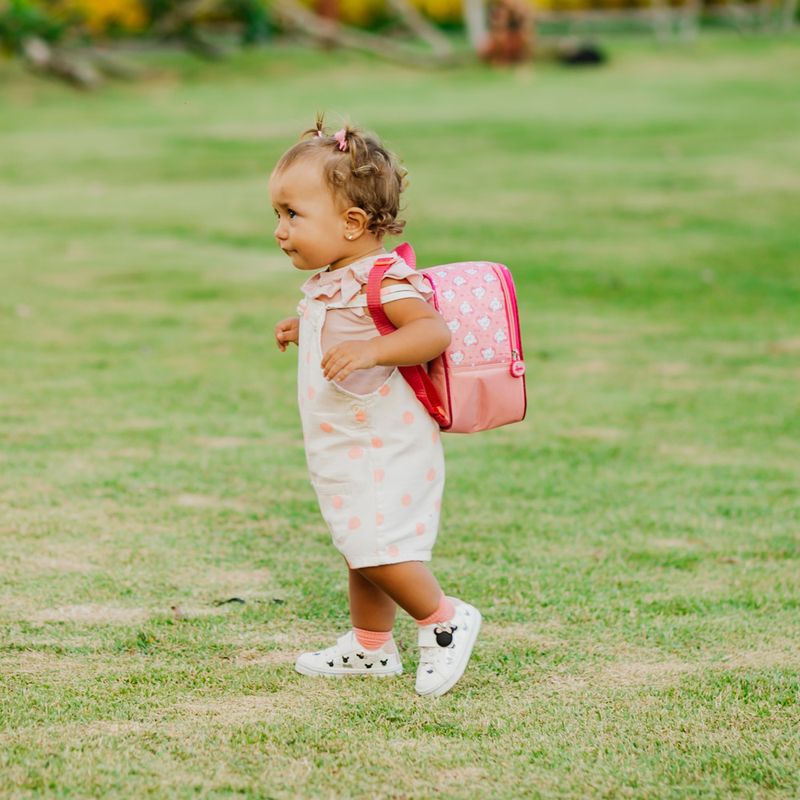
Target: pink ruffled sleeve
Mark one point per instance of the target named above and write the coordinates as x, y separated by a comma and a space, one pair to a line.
358, 275
346, 283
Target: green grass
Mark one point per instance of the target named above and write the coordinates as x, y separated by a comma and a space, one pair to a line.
633, 544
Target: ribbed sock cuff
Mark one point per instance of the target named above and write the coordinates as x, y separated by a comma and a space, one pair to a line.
372, 640
444, 613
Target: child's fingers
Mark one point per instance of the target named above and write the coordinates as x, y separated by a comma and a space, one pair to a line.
286, 331
330, 357
337, 366
332, 368
341, 374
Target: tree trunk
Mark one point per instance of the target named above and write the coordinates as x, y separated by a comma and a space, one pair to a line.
788, 14
421, 27
40, 57
329, 32
477, 26
184, 14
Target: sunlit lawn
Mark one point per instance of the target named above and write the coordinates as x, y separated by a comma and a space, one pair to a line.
633, 545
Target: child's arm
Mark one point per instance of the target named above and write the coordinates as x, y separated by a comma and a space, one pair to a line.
421, 335
286, 331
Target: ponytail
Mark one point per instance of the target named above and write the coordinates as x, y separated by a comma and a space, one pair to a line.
358, 169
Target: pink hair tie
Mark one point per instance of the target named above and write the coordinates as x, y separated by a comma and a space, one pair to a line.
320, 134
341, 137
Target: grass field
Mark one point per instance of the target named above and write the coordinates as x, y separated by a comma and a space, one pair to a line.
634, 545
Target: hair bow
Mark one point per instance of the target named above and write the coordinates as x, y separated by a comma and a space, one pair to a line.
341, 137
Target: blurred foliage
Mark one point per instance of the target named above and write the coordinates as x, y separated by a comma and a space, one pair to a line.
363, 13
105, 16
20, 20
255, 18
49, 19
367, 13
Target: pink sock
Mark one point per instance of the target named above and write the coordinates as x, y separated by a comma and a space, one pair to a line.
444, 613
372, 640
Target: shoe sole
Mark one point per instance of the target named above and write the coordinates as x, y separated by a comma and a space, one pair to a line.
462, 665
312, 673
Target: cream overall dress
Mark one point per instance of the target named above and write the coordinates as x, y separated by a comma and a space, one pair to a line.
375, 459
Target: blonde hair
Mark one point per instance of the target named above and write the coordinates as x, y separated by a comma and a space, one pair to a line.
364, 173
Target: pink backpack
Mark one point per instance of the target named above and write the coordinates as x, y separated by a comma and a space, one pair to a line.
478, 383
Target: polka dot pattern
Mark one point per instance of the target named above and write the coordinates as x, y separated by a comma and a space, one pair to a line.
375, 460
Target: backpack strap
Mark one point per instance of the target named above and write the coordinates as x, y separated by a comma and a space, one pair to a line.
406, 252
416, 377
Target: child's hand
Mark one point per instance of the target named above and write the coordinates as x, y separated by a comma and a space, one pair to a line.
286, 331
347, 357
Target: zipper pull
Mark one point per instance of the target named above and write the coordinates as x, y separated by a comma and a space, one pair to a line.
517, 365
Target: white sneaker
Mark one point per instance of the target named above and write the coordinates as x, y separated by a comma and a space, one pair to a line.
445, 648
348, 657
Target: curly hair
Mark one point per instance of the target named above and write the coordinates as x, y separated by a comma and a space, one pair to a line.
365, 174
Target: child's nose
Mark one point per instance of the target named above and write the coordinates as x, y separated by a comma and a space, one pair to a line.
280, 230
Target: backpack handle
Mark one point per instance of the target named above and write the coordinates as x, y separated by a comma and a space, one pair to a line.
416, 377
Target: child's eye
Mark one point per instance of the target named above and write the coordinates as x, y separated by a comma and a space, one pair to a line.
292, 214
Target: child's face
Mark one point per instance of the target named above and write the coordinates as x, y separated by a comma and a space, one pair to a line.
311, 227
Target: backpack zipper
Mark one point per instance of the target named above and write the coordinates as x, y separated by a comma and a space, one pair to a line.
517, 367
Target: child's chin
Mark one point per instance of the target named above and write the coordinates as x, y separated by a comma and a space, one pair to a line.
299, 263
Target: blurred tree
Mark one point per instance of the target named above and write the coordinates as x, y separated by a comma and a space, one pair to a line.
20, 20
61, 37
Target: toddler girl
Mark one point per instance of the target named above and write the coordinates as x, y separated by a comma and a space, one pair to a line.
374, 453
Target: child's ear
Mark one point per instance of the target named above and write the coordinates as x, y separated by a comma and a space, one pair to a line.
355, 223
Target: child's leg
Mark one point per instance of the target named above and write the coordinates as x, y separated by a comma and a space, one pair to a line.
369, 648
371, 608
410, 584
447, 628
